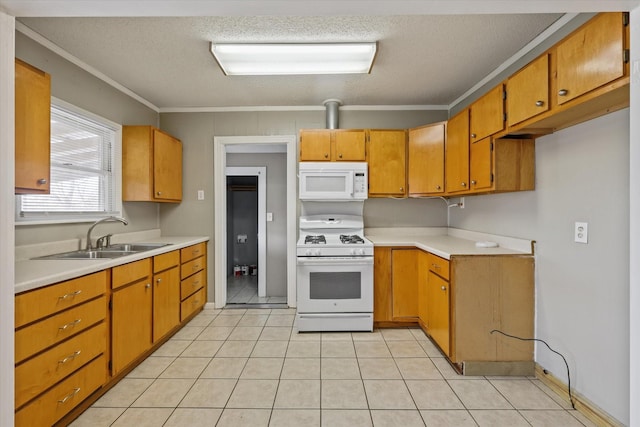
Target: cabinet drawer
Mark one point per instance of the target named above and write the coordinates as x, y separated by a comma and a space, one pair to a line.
192, 252
191, 267
58, 401
40, 335
166, 261
39, 303
129, 273
191, 304
440, 266
43, 371
192, 284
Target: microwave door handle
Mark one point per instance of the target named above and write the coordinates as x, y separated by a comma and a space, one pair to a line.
350, 183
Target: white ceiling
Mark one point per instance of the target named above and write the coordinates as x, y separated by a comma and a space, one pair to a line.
428, 54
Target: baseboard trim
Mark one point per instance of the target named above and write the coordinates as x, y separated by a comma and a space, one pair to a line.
210, 305
582, 404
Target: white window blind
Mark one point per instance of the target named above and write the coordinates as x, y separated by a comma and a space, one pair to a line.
84, 172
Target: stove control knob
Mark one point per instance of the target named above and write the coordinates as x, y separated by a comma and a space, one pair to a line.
352, 251
317, 252
308, 252
361, 251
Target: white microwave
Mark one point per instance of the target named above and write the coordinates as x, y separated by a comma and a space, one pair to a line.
333, 181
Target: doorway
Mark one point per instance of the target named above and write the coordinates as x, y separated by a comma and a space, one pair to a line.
246, 235
287, 146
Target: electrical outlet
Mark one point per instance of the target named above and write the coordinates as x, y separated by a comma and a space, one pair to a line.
581, 232
200, 194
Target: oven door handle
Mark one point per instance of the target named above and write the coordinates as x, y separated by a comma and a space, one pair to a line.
365, 260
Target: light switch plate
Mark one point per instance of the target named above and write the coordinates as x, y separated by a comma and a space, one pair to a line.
581, 232
269, 216
200, 194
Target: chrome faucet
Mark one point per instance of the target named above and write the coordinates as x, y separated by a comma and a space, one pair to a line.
89, 246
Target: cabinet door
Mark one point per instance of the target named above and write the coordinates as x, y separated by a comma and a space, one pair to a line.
426, 159
349, 145
590, 57
32, 129
167, 167
166, 302
382, 284
487, 114
423, 277
130, 323
528, 91
404, 281
315, 145
438, 310
481, 172
457, 153
387, 163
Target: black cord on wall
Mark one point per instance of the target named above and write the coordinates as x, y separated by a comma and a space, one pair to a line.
556, 352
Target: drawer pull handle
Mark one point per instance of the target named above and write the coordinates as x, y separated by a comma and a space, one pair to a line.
436, 266
196, 267
70, 295
70, 395
196, 251
68, 325
196, 283
69, 357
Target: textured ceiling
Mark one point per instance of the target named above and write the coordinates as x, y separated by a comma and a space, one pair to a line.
422, 59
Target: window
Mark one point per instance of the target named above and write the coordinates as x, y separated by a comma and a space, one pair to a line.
85, 170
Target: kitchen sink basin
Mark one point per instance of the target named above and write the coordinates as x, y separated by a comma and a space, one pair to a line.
112, 251
134, 247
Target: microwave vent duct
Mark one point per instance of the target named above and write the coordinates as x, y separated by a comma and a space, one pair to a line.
331, 107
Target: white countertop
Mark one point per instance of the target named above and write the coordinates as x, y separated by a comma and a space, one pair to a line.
31, 274
446, 242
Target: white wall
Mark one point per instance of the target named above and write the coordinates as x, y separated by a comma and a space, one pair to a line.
582, 291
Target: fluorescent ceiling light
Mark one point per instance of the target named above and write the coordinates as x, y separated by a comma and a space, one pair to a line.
294, 58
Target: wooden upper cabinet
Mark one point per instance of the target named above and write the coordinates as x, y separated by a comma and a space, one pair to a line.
480, 169
487, 114
349, 145
500, 165
426, 159
340, 145
315, 145
590, 57
528, 91
457, 153
387, 157
151, 165
32, 129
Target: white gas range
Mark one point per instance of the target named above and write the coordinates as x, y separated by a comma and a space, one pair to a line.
335, 273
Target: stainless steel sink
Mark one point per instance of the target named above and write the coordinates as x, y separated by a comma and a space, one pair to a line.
113, 251
84, 254
134, 247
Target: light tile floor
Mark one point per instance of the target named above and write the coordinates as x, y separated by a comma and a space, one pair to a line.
252, 368
244, 290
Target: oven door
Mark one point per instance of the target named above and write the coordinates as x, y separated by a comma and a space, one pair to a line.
335, 284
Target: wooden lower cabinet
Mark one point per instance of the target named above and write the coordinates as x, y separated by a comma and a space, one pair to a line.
77, 338
459, 302
404, 286
131, 328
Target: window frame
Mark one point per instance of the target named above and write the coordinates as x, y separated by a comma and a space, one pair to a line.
35, 218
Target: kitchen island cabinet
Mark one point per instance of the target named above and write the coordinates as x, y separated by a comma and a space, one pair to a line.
151, 165
32, 129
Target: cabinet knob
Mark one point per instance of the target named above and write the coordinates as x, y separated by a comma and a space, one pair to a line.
473, 182
159, 193
148, 285
159, 280
473, 135
539, 103
464, 184
563, 92
326, 156
444, 288
402, 189
42, 181
438, 187
340, 156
